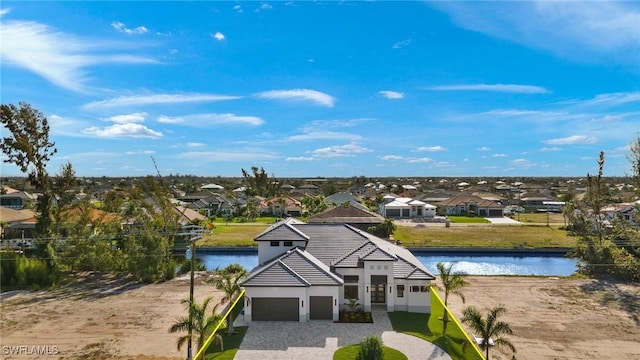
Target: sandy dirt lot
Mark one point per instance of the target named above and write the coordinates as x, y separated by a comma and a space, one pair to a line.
106, 318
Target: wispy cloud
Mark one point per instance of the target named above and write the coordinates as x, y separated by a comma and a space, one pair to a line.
199, 120
508, 88
130, 130
483, 148
300, 158
401, 44
299, 95
548, 149
340, 151
218, 36
392, 95
499, 155
410, 160
128, 118
336, 124
436, 148
142, 152
594, 31
58, 57
607, 100
122, 28
225, 156
324, 135
571, 140
194, 144
140, 100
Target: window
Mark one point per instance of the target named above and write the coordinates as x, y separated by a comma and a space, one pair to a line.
275, 243
351, 287
400, 290
288, 243
416, 288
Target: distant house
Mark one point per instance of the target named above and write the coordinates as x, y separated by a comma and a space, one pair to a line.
213, 204
534, 199
15, 199
17, 223
623, 211
283, 206
347, 214
308, 189
403, 207
308, 271
471, 205
340, 198
212, 186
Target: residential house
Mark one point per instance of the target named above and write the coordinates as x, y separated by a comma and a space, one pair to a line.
15, 199
404, 207
308, 271
308, 189
625, 212
210, 204
340, 198
465, 205
347, 214
17, 224
284, 206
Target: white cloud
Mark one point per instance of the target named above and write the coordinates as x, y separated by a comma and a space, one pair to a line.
336, 124
508, 88
238, 8
340, 151
571, 140
593, 31
138, 100
419, 160
548, 149
263, 6
392, 95
123, 131
122, 28
5, 11
299, 158
143, 152
401, 44
128, 118
499, 155
58, 57
225, 156
436, 148
197, 120
195, 144
218, 36
483, 148
609, 99
521, 163
324, 135
392, 157
299, 95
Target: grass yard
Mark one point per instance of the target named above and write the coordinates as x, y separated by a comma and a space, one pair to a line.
350, 352
540, 218
468, 220
526, 236
231, 344
233, 235
429, 327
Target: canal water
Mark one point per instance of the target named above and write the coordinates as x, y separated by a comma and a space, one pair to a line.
475, 264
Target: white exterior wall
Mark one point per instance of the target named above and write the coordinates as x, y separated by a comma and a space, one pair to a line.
419, 302
267, 252
401, 303
351, 271
378, 268
430, 212
333, 291
277, 292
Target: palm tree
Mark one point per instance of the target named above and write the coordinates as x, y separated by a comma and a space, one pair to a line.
388, 227
452, 283
490, 329
200, 323
229, 284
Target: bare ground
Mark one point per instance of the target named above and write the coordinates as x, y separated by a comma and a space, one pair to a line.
560, 318
106, 317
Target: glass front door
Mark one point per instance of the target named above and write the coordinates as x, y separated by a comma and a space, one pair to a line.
378, 294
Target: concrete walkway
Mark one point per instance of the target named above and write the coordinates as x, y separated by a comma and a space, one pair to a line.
319, 339
503, 221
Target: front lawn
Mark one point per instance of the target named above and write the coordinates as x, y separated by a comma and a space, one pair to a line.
430, 328
231, 344
350, 352
468, 220
233, 235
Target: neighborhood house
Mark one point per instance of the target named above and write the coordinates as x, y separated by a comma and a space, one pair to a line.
310, 271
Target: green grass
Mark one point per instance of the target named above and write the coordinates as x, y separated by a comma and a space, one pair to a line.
430, 328
490, 236
233, 235
350, 352
540, 218
468, 220
231, 345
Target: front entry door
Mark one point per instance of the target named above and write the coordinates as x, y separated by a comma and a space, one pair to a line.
378, 285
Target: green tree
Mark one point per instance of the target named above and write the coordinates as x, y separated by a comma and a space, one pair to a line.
229, 284
201, 322
29, 148
259, 183
489, 329
452, 283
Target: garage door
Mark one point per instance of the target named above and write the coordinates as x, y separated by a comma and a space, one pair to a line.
393, 212
495, 212
321, 307
274, 309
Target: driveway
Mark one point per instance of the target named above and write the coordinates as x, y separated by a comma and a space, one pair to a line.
503, 221
319, 339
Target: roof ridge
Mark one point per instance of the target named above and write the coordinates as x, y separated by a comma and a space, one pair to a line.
350, 252
291, 271
310, 259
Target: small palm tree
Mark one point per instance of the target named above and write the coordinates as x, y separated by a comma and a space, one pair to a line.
452, 283
490, 329
200, 323
229, 284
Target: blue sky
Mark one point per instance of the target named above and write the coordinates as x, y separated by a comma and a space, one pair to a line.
305, 89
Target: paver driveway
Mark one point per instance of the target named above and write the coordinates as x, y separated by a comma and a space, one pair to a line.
320, 339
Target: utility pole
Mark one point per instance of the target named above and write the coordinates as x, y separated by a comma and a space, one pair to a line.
196, 234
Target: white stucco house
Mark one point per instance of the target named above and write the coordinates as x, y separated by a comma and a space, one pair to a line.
309, 271
404, 207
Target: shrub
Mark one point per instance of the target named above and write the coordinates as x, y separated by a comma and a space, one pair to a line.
370, 349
